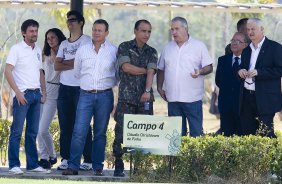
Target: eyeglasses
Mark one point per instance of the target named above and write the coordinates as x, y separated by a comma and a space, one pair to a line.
249, 83
236, 42
71, 20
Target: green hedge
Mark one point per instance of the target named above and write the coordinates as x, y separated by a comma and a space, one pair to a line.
245, 159
248, 159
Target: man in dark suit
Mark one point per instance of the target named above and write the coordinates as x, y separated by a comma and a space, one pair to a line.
260, 92
229, 85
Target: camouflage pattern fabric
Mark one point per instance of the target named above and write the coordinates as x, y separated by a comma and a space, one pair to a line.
132, 87
125, 108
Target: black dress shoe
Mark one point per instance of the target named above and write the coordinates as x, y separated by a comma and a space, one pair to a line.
98, 172
44, 164
70, 171
119, 173
52, 161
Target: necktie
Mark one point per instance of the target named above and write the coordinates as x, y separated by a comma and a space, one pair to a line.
235, 65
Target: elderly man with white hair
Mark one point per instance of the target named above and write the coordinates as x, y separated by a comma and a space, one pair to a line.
260, 73
180, 78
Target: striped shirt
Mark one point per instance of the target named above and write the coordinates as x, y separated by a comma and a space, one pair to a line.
96, 70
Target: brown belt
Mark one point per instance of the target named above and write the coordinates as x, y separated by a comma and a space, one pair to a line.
96, 90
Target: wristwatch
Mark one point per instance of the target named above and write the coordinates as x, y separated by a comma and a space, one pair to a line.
147, 90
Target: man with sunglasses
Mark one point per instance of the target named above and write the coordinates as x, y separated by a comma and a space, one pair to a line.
229, 85
260, 73
69, 89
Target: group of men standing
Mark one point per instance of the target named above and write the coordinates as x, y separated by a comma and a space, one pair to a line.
91, 67
249, 81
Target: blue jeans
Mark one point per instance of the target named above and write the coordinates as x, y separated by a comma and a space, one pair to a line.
67, 104
30, 112
193, 112
99, 105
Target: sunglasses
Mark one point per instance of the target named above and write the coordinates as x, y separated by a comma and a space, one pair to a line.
72, 20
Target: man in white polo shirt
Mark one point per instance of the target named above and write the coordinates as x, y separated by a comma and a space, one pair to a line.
95, 66
69, 89
180, 78
25, 76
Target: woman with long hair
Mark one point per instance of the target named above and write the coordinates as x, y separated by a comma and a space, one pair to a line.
53, 39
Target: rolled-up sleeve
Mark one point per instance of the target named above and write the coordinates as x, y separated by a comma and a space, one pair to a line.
123, 59
153, 60
123, 55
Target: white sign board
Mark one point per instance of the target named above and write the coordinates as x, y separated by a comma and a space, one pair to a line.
159, 135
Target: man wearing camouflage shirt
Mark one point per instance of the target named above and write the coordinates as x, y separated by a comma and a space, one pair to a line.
137, 66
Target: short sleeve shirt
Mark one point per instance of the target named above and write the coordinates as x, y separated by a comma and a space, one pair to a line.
27, 62
132, 87
178, 63
67, 51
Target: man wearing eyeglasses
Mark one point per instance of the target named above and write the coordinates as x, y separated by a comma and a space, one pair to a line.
241, 28
229, 85
261, 71
69, 89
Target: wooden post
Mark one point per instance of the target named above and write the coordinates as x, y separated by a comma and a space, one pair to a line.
77, 5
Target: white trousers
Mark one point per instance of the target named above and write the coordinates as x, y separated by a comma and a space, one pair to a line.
45, 141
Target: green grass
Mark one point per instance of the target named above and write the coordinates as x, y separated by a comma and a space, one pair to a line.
50, 181
47, 181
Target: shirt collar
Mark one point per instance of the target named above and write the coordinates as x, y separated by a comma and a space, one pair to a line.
259, 45
186, 42
233, 57
26, 45
102, 45
134, 43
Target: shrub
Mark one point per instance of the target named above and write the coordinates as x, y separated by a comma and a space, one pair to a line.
4, 138
247, 159
238, 159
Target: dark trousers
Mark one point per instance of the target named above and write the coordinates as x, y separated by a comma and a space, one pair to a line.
67, 104
252, 122
230, 123
124, 108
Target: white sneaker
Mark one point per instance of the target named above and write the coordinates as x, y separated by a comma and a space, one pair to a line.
86, 166
38, 170
16, 170
64, 165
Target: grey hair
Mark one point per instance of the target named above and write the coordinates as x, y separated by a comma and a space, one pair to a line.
182, 20
257, 21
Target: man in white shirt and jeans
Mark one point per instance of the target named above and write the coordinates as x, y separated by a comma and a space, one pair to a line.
180, 78
69, 89
25, 76
95, 66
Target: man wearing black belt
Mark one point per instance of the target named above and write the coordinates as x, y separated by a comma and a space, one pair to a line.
261, 71
95, 67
